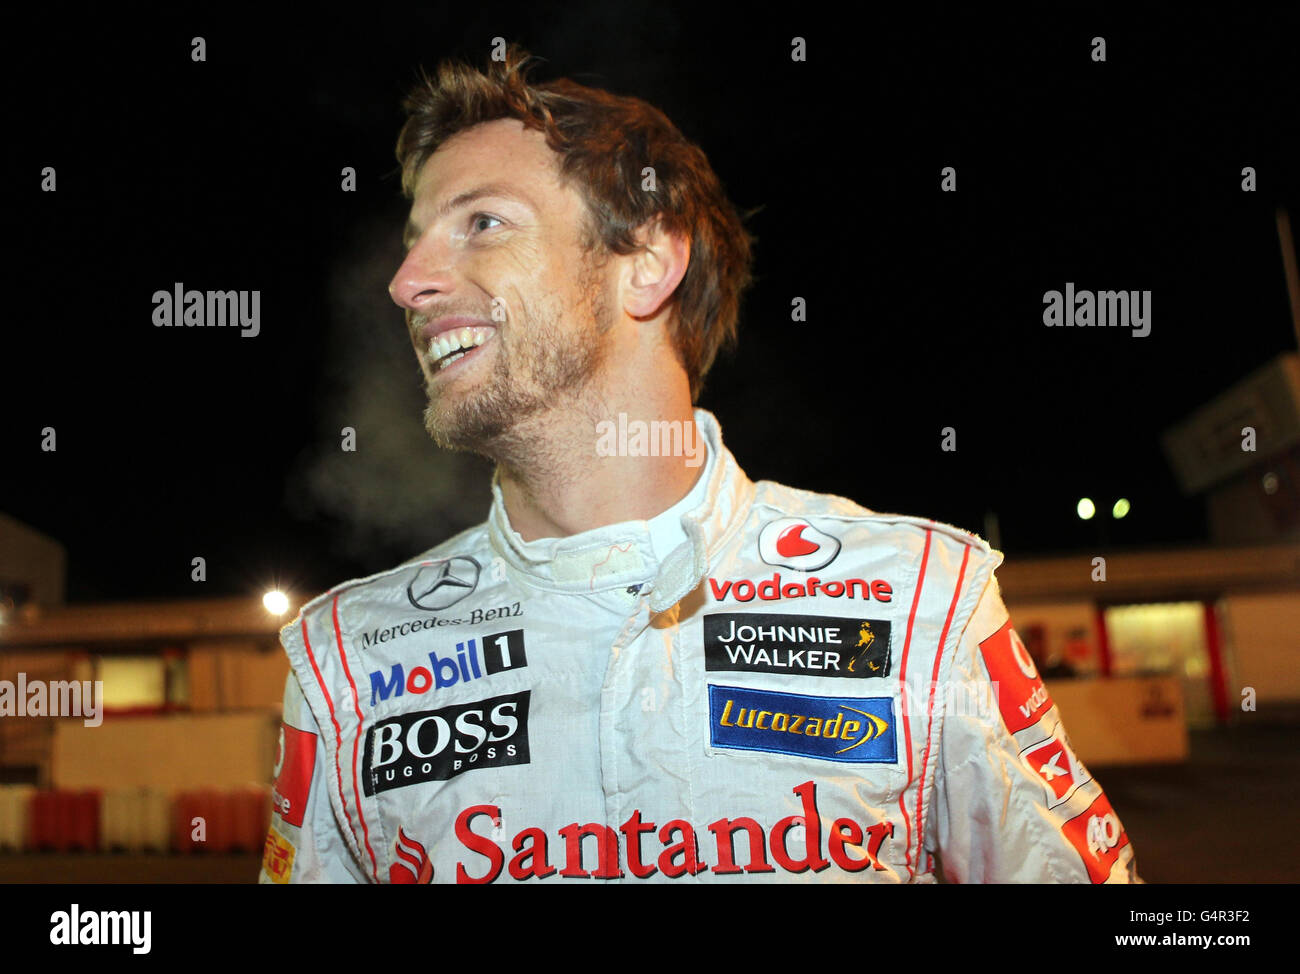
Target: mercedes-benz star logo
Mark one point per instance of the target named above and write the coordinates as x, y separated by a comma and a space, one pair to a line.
437, 587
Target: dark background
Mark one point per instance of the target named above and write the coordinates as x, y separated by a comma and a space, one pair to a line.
924, 308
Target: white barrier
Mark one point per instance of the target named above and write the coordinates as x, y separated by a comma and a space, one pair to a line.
14, 805
135, 820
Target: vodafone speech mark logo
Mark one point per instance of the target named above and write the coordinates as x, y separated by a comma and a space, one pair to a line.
791, 542
1022, 657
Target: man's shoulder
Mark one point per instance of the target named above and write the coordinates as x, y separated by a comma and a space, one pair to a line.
772, 499
470, 547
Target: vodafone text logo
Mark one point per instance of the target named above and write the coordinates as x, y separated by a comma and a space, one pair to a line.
771, 589
792, 542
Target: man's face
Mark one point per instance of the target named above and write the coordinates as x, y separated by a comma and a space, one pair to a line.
505, 309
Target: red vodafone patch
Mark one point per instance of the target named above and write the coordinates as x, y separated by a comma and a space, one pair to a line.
1022, 698
1098, 837
294, 763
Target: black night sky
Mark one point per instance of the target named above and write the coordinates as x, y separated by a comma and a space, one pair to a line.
924, 308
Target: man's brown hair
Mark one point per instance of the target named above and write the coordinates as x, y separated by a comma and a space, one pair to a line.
604, 142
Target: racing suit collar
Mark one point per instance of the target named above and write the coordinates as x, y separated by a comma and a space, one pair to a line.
621, 555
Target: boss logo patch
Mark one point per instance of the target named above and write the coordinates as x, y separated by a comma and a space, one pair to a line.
436, 745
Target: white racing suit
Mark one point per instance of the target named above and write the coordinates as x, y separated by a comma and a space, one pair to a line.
803, 691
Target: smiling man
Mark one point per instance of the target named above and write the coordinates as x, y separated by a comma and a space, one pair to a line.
641, 667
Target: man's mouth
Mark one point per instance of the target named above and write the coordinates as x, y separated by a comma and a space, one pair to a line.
451, 346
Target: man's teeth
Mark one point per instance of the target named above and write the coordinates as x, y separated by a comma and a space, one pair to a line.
451, 345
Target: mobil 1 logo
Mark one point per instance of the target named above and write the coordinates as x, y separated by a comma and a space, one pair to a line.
501, 651
504, 651
437, 745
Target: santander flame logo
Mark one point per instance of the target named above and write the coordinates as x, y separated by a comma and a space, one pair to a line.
792, 542
415, 867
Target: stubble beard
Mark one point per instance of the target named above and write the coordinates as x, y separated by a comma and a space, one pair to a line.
537, 366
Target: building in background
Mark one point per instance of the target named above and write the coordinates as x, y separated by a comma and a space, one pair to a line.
1167, 640
1187, 637
1242, 451
191, 689
32, 568
187, 728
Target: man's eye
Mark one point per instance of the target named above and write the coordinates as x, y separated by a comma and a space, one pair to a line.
477, 221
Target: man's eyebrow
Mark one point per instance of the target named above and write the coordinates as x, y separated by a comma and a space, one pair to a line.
412, 233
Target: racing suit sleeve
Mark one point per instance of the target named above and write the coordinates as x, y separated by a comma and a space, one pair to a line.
1012, 802
304, 843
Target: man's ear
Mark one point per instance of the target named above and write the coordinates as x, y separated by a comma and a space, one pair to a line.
655, 270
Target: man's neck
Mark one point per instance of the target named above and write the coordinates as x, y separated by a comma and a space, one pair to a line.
556, 482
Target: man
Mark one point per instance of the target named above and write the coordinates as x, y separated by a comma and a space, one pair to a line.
644, 666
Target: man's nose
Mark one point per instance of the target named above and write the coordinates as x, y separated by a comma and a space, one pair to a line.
424, 275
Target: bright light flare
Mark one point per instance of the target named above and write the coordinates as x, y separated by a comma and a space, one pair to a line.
276, 602
1086, 508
